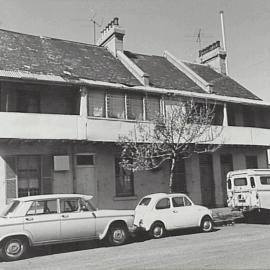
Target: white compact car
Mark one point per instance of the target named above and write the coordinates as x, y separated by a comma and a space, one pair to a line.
58, 218
161, 212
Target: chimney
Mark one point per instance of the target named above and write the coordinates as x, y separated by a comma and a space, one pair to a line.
214, 56
112, 37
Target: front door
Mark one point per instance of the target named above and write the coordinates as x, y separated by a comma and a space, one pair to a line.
42, 221
207, 180
77, 220
184, 214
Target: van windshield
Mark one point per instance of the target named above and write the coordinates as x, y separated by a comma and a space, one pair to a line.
240, 182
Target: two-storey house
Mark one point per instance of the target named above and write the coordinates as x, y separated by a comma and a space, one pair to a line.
63, 105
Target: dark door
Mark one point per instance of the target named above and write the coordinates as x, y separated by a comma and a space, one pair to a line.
207, 180
179, 177
226, 164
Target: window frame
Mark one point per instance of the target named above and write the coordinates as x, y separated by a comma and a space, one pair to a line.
121, 172
85, 165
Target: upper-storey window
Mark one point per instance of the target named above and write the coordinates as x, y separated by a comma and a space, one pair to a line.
116, 105
249, 117
96, 103
171, 105
134, 107
28, 101
152, 107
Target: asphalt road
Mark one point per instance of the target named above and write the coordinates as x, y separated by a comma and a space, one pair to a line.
242, 246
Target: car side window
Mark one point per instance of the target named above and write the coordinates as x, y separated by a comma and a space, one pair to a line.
187, 202
163, 204
68, 205
178, 201
42, 207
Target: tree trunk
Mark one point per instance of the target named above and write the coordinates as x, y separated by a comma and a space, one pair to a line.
172, 173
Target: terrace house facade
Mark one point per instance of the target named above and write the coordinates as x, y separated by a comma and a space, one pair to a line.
63, 105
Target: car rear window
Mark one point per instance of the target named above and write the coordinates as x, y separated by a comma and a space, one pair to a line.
145, 201
240, 182
10, 208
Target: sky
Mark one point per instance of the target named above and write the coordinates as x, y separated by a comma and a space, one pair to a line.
153, 26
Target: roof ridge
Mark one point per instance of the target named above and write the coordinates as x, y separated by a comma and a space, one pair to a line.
51, 38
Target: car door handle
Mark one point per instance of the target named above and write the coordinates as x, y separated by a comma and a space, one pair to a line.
174, 211
29, 218
65, 216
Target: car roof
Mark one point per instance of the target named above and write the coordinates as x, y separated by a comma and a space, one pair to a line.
160, 195
53, 196
248, 171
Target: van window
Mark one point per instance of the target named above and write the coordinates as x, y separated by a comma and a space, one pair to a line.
229, 184
252, 182
265, 180
240, 182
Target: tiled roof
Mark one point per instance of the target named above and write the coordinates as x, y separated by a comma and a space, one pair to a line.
162, 73
21, 52
222, 85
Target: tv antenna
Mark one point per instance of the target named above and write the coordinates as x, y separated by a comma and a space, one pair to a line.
199, 36
95, 23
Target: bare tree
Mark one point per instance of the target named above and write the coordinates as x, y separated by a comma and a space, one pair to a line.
185, 128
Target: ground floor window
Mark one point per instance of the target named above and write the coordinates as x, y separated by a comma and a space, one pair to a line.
28, 175
124, 181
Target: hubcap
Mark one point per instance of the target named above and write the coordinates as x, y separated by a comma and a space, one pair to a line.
14, 248
118, 235
207, 225
158, 230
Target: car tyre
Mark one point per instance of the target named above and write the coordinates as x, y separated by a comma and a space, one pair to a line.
117, 235
14, 248
207, 224
157, 230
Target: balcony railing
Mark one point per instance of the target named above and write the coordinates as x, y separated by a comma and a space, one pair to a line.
41, 126
74, 127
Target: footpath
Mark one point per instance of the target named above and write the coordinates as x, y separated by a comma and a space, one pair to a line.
225, 216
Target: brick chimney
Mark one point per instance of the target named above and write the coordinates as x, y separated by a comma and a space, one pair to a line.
214, 56
112, 37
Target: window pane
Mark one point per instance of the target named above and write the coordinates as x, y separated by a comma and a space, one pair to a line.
116, 105
145, 201
163, 204
43, 207
85, 160
96, 103
134, 107
187, 202
152, 107
69, 205
178, 201
265, 180
251, 162
124, 181
240, 181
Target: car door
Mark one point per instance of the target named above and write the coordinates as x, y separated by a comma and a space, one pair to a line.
163, 212
42, 221
77, 220
185, 215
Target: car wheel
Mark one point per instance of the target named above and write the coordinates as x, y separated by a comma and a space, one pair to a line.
207, 224
14, 248
117, 235
157, 230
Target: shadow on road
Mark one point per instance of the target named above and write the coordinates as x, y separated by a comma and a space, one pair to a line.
86, 245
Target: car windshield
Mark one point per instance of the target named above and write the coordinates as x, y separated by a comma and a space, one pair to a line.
145, 201
10, 208
90, 206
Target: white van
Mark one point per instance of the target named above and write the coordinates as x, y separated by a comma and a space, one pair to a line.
248, 190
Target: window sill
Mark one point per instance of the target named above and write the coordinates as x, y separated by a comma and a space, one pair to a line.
128, 198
